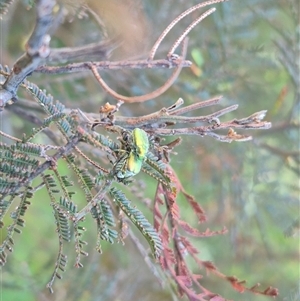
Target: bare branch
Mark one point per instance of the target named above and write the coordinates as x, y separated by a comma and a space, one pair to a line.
36, 50
150, 95
97, 197
197, 105
117, 65
210, 130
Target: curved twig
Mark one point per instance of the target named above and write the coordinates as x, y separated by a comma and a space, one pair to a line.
150, 95
175, 21
188, 29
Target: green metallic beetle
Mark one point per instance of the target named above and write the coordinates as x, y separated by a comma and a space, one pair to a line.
135, 156
141, 143
130, 164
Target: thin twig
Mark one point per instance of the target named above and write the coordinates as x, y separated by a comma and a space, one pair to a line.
27, 111
117, 65
162, 117
99, 196
198, 105
188, 29
93, 163
129, 122
145, 253
175, 21
150, 95
10, 137
98, 20
210, 130
175, 106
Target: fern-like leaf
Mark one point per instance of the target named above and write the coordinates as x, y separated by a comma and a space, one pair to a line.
106, 141
51, 186
11, 157
104, 218
51, 109
160, 175
139, 220
61, 263
6, 186
152, 159
46, 123
18, 222
79, 243
68, 205
86, 181
62, 222
4, 206
26, 148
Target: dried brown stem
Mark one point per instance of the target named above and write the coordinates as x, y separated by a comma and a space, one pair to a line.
109, 65
198, 105
156, 122
163, 116
203, 130
154, 117
150, 95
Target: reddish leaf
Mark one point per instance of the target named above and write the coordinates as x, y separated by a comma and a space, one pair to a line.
195, 205
185, 226
238, 287
197, 233
187, 244
173, 177
169, 256
197, 277
217, 298
236, 284
173, 207
174, 210
254, 287
209, 265
165, 234
162, 262
185, 280
271, 291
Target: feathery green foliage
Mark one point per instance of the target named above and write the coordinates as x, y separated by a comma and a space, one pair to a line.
90, 176
139, 220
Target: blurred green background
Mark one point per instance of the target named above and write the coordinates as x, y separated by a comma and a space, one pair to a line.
247, 51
